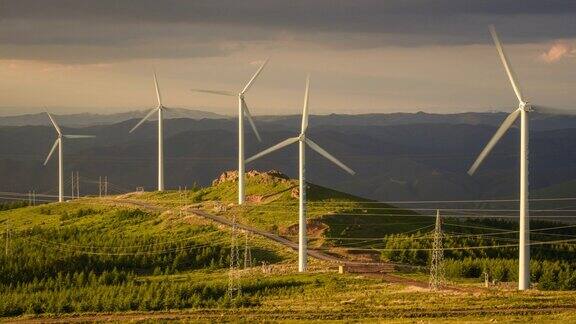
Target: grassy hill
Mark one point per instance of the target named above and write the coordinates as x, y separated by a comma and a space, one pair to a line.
334, 218
118, 258
340, 221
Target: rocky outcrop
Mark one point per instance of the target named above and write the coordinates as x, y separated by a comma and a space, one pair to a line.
266, 177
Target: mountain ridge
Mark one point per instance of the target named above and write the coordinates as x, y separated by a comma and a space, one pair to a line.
86, 119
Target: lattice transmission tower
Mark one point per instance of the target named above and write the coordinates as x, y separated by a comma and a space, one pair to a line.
247, 252
437, 273
234, 289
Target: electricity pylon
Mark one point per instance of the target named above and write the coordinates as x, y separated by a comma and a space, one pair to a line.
234, 289
247, 252
437, 274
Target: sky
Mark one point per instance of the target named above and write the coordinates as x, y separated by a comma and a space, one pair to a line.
368, 56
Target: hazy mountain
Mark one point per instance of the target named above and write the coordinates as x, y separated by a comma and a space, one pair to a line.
88, 119
404, 161
538, 121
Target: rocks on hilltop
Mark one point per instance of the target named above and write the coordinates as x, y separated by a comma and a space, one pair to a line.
265, 176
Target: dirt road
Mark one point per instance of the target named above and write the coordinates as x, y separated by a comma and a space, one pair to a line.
351, 266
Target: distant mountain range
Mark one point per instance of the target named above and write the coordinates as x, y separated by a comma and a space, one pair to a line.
538, 121
88, 119
397, 156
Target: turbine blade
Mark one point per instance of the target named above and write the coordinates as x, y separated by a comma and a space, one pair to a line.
329, 156
216, 92
56, 142
249, 84
79, 136
249, 117
494, 140
305, 107
54, 123
505, 62
144, 119
273, 148
553, 110
158, 96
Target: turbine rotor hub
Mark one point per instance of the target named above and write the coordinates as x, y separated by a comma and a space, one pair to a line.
525, 106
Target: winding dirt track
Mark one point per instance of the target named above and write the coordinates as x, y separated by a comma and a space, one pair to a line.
379, 270
353, 266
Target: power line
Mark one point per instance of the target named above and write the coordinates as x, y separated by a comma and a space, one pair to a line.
463, 248
172, 250
196, 236
445, 201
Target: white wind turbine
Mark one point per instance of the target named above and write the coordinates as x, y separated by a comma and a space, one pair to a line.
160, 109
523, 110
243, 111
60, 142
302, 140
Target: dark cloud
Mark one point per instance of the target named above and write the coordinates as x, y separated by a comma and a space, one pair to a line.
271, 11
135, 24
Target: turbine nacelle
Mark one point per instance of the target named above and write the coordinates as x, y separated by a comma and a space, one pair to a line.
525, 105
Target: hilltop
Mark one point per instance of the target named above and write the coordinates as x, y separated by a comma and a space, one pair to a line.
334, 217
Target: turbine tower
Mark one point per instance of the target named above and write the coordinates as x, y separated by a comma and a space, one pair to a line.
60, 142
523, 110
243, 111
160, 109
302, 140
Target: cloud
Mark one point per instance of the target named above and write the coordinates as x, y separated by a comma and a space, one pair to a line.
92, 31
557, 52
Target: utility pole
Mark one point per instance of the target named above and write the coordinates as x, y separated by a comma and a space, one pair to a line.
437, 274
247, 252
105, 185
73, 184
181, 198
77, 184
7, 241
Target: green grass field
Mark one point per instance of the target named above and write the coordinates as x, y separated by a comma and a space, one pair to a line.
329, 296
108, 259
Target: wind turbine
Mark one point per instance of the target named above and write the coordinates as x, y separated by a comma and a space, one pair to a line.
302, 140
243, 111
60, 142
160, 109
523, 110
